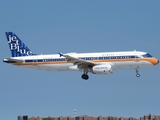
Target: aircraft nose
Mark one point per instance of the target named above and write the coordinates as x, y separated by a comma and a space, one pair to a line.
154, 61
157, 61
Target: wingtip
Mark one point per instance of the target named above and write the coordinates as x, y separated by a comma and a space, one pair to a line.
60, 54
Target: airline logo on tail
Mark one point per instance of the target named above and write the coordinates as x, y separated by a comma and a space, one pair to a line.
17, 47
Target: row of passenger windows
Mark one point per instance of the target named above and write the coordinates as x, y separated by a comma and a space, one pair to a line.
47, 60
101, 58
88, 58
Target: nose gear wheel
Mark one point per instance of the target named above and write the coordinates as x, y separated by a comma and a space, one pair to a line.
137, 74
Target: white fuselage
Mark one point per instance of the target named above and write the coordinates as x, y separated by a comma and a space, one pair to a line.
117, 60
96, 63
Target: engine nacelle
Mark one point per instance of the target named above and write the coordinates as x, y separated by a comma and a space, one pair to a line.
102, 69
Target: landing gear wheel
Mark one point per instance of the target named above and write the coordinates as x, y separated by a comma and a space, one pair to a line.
85, 77
137, 75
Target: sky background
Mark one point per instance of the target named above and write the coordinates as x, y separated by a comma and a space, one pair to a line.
49, 26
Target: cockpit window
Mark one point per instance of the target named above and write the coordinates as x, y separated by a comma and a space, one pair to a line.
146, 55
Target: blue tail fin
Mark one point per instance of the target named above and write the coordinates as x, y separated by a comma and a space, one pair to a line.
17, 47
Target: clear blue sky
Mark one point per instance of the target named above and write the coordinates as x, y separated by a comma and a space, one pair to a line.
51, 26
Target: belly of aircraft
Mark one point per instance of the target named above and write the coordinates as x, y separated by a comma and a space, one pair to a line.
51, 67
115, 65
130, 65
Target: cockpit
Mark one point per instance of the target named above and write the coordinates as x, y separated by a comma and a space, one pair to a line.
146, 55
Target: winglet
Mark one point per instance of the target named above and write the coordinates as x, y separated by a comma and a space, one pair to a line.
60, 54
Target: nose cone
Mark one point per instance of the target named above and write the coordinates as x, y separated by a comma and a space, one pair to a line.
156, 61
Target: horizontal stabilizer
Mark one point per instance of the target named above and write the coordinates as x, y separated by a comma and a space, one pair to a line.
12, 60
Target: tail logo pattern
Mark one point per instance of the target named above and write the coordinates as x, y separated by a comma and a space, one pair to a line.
17, 47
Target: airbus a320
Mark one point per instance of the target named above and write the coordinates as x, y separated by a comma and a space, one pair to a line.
96, 63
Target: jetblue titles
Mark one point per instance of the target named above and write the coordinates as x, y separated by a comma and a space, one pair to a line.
17, 46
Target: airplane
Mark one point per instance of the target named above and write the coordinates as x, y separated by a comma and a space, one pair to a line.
96, 63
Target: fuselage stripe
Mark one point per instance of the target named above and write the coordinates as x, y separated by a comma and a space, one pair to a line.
95, 61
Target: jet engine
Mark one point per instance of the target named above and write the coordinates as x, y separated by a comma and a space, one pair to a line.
102, 69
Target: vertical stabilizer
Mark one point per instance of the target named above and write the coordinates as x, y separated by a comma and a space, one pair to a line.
17, 47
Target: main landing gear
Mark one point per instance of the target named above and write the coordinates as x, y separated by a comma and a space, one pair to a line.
137, 74
85, 76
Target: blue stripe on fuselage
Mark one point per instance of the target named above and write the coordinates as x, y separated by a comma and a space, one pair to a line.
83, 58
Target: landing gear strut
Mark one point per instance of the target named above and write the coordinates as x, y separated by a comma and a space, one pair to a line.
85, 76
137, 74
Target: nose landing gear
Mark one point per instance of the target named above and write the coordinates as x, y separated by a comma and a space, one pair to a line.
137, 74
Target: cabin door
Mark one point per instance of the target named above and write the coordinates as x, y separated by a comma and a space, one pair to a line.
35, 61
137, 57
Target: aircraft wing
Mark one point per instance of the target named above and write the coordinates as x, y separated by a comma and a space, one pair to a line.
76, 61
12, 60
